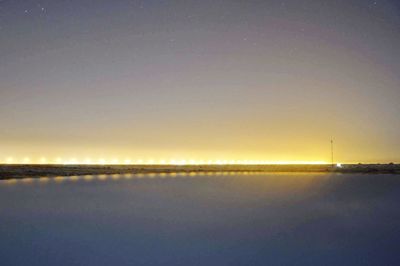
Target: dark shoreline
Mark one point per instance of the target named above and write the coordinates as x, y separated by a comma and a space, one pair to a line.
36, 171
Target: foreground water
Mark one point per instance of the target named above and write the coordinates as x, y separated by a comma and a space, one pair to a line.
203, 219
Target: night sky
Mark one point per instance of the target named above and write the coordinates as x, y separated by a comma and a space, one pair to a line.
200, 80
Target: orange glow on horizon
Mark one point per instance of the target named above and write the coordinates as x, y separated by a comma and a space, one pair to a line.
116, 161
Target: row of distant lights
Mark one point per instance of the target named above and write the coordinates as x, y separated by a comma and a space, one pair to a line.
89, 161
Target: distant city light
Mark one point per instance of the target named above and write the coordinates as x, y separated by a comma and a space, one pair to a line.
127, 161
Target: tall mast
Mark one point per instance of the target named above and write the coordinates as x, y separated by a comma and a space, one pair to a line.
332, 151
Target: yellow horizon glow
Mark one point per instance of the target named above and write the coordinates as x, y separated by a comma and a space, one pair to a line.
116, 161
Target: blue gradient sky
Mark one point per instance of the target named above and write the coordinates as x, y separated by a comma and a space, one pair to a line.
257, 80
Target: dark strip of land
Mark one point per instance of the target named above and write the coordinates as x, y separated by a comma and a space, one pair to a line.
35, 171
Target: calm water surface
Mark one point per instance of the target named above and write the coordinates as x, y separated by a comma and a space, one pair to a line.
214, 219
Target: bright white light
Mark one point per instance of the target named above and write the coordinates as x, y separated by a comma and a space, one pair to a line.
151, 161
339, 165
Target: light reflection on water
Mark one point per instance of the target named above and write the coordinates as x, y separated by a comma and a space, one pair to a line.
128, 176
88, 178
200, 218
